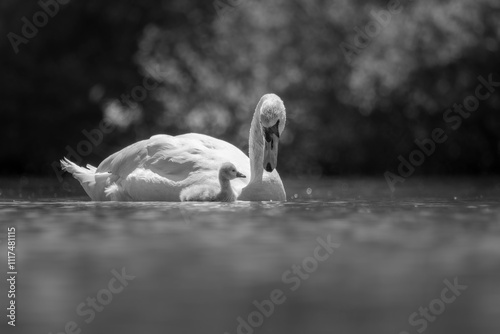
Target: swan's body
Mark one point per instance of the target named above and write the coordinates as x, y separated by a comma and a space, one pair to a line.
222, 192
159, 168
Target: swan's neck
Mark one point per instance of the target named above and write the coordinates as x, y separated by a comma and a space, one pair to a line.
256, 147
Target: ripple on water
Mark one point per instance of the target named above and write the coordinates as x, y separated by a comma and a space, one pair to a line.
210, 261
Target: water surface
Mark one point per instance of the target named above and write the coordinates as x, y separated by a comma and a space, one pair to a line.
199, 267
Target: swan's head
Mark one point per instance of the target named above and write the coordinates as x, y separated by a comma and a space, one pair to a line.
272, 120
229, 172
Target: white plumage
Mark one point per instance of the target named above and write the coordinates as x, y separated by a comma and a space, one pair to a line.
159, 168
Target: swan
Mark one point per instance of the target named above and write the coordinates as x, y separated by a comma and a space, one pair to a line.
213, 192
159, 168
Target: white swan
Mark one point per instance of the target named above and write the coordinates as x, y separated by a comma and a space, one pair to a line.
159, 168
222, 192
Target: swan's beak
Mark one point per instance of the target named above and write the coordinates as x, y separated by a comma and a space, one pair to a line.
238, 174
271, 151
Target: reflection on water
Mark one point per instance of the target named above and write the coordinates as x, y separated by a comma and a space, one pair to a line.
200, 266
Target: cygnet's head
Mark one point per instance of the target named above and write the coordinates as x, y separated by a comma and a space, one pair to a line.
229, 172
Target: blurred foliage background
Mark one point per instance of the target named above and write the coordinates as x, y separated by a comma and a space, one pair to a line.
206, 64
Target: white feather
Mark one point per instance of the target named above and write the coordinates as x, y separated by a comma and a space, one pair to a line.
159, 168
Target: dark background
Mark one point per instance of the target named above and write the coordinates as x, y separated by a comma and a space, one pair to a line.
200, 266
207, 66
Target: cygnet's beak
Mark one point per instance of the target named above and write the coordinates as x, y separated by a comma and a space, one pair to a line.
272, 139
238, 174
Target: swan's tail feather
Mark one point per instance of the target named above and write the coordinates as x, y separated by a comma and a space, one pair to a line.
84, 175
93, 183
91, 168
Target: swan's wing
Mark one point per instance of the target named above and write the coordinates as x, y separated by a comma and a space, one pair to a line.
218, 151
162, 154
126, 160
177, 158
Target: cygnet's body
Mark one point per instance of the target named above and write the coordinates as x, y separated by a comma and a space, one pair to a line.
214, 193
